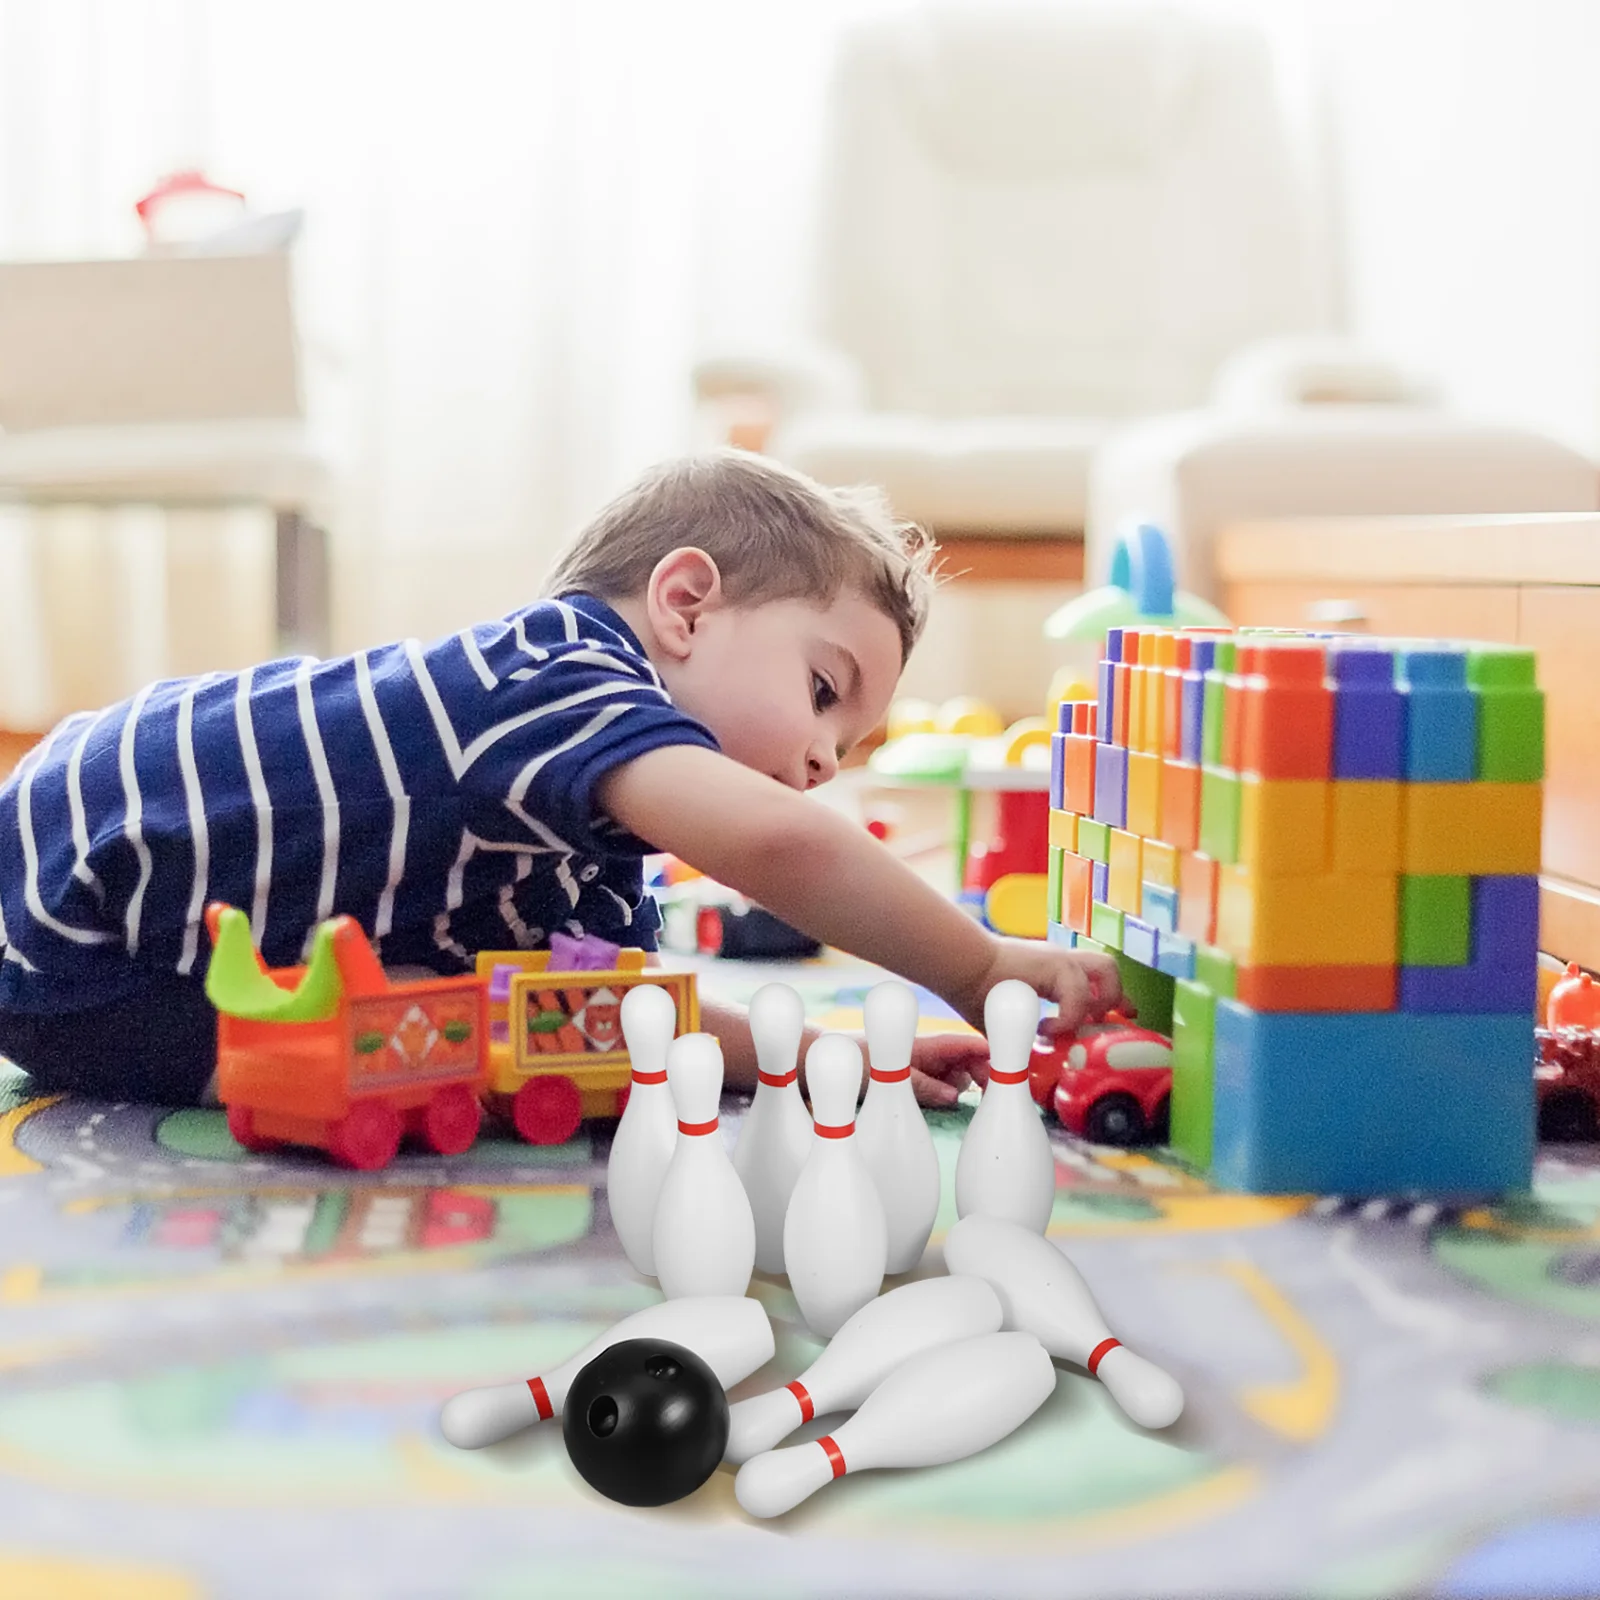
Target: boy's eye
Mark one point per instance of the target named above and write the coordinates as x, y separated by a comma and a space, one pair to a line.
822, 693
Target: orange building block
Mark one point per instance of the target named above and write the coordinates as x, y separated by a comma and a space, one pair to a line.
1286, 712
1197, 897
1121, 693
1077, 891
1078, 772
1283, 825
1180, 804
1125, 877
1144, 792
1316, 988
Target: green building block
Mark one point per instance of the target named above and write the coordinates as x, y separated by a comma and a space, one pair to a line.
1094, 839
1435, 921
1194, 1020
1217, 971
1149, 991
1219, 814
1510, 715
1052, 886
1105, 925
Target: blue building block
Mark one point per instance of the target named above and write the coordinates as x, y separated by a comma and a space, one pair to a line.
1502, 972
1368, 715
1059, 933
1160, 907
1100, 882
1176, 956
1058, 771
1111, 785
1370, 1103
1202, 655
1113, 650
1141, 941
1441, 717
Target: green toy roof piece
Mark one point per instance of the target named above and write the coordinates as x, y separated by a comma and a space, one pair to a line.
927, 757
1087, 616
236, 985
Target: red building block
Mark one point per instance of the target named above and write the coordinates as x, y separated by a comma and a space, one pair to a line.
1286, 721
1317, 988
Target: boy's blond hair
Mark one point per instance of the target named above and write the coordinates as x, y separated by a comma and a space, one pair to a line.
774, 534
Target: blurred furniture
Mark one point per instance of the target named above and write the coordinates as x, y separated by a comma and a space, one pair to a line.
1528, 580
169, 382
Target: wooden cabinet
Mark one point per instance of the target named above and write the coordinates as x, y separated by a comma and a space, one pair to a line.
1533, 581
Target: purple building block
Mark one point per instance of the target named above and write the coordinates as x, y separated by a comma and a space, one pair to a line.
1058, 771
1064, 716
1502, 974
1108, 679
1100, 882
1202, 656
1368, 715
1113, 644
1111, 785
1441, 717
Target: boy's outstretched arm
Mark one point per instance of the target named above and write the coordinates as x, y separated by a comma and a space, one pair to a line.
819, 871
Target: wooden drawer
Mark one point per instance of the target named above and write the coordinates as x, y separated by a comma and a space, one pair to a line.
1421, 610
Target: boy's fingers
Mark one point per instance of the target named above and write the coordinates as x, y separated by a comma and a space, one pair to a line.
1103, 977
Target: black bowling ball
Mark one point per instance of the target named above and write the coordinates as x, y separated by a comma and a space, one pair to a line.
645, 1422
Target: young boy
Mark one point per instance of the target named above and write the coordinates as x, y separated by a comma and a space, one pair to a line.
711, 647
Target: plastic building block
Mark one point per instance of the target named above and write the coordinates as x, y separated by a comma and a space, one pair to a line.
1510, 715
1111, 784
1077, 771
1471, 828
1141, 941
1180, 804
1105, 925
1194, 1014
1064, 829
1286, 712
1148, 991
1057, 933
1125, 881
1364, 825
1144, 792
1214, 715
1387, 1103
1323, 988
1058, 772
1121, 704
1435, 922
1441, 717
1368, 715
1283, 824
1100, 880
1219, 813
1216, 970
1502, 975
1160, 863
1197, 896
1052, 891
1094, 839
1176, 956
1107, 678
1152, 699
1330, 919
1077, 891
1159, 906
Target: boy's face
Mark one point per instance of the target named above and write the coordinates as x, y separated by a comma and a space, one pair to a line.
787, 687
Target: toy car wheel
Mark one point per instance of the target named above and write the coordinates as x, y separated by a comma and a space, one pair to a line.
1161, 1122
450, 1120
547, 1110
1566, 1114
1115, 1119
366, 1137
242, 1125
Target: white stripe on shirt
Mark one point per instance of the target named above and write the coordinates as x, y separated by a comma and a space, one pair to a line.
399, 799
133, 824
325, 792
261, 803
195, 800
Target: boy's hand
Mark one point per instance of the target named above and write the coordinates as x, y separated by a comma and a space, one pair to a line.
943, 1064
1084, 984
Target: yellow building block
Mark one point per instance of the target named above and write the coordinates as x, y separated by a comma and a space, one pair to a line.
1064, 829
1364, 825
1319, 920
1125, 883
1144, 792
1283, 825
1470, 828
1155, 684
1160, 864
1138, 678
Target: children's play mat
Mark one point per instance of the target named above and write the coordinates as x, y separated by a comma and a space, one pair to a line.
220, 1373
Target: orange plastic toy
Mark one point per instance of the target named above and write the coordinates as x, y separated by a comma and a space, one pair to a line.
1574, 1001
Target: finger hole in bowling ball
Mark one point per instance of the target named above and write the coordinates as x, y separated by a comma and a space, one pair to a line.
645, 1422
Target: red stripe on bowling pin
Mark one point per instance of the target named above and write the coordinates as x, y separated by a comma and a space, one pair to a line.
834, 1454
1099, 1353
1007, 1077
773, 1081
694, 1129
541, 1398
650, 1077
842, 1131
807, 1408
890, 1077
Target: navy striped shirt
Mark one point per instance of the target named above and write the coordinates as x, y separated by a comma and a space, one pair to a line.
442, 795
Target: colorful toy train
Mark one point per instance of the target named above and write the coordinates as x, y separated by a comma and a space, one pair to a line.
336, 1055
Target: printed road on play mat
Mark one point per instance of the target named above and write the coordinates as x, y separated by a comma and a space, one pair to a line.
219, 1375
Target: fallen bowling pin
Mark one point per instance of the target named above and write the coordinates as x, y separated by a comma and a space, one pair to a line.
942, 1405
641, 1148
1042, 1293
877, 1339
728, 1332
1006, 1167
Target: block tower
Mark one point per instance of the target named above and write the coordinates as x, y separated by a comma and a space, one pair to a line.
1316, 857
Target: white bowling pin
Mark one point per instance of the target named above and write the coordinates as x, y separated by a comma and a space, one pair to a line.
893, 1136
883, 1333
1005, 1168
776, 1135
835, 1239
648, 1132
1045, 1295
728, 1332
942, 1405
705, 1237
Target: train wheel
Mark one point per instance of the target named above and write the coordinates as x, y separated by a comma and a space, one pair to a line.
449, 1122
366, 1137
242, 1125
547, 1110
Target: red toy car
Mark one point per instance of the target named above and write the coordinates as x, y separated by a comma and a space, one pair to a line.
1566, 1080
1114, 1085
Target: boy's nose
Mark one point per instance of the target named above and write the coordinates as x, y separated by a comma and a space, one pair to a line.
821, 766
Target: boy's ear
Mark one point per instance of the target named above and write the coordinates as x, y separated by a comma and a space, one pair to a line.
684, 586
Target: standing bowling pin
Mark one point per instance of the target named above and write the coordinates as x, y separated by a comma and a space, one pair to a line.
894, 1138
942, 1405
1005, 1168
728, 1332
835, 1239
1044, 1294
776, 1135
705, 1237
883, 1333
648, 1132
